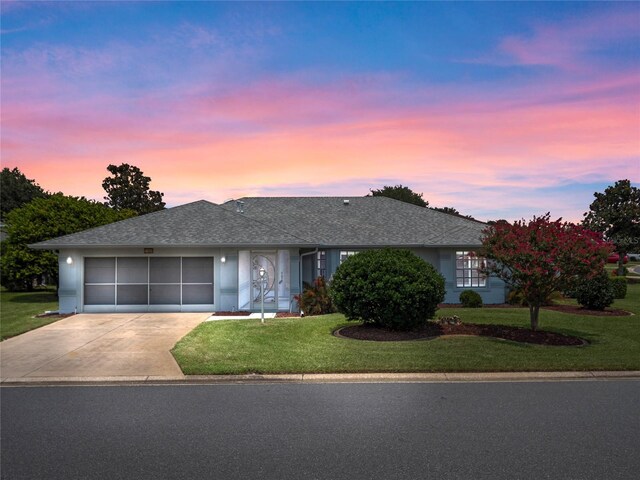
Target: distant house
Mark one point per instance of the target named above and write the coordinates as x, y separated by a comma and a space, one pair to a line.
202, 256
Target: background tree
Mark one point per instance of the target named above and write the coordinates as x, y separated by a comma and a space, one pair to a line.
540, 257
616, 213
452, 211
42, 219
17, 190
449, 210
399, 192
128, 188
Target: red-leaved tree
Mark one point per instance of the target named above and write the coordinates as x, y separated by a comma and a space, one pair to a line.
542, 256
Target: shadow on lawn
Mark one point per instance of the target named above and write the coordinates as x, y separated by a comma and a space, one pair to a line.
35, 297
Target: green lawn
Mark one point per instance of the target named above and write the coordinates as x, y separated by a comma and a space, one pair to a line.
18, 311
306, 345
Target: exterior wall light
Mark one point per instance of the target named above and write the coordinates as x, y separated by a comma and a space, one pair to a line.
223, 259
69, 260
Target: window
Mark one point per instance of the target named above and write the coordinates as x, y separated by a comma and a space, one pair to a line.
344, 254
322, 264
467, 274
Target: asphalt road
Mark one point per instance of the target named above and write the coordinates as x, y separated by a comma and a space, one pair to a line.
538, 430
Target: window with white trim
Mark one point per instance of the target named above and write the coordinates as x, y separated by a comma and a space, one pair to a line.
467, 270
344, 254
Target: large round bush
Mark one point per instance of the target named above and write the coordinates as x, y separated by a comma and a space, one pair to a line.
390, 288
594, 293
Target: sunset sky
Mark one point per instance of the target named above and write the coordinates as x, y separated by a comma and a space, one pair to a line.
501, 110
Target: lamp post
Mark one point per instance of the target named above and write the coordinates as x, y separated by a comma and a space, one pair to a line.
262, 272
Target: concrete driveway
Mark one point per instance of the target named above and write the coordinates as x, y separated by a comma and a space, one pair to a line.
98, 345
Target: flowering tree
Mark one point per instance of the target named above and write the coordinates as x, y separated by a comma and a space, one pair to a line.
542, 256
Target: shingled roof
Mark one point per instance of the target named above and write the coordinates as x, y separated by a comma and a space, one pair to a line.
284, 221
196, 224
362, 221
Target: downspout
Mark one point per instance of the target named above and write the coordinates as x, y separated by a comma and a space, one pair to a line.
315, 252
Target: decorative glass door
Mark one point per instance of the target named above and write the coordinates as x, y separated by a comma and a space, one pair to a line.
266, 260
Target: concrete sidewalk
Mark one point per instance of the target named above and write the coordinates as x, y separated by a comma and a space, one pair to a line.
324, 378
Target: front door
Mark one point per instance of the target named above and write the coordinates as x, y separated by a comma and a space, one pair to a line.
267, 261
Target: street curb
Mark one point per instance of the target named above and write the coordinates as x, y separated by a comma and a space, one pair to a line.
310, 378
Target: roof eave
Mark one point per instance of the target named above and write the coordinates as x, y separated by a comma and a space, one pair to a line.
152, 245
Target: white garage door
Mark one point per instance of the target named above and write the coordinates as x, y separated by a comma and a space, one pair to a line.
148, 283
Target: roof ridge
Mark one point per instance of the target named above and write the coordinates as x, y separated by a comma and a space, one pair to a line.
271, 227
433, 209
295, 196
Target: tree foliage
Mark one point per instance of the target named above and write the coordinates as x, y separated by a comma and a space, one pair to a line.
452, 211
542, 256
399, 192
128, 189
389, 288
616, 213
449, 210
16, 190
42, 219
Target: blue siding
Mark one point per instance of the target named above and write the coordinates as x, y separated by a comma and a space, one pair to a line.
442, 259
492, 293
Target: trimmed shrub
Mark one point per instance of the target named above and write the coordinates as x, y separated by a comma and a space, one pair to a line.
390, 288
594, 293
619, 286
470, 299
315, 299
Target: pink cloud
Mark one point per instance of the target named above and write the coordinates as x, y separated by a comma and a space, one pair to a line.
565, 44
198, 141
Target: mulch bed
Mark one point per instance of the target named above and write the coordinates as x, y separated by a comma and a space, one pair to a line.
287, 315
577, 310
431, 330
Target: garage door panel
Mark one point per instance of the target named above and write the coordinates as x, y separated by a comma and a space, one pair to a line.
132, 295
133, 270
164, 270
100, 270
164, 294
197, 294
100, 295
197, 270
